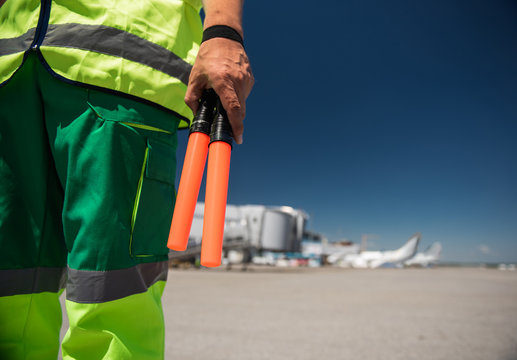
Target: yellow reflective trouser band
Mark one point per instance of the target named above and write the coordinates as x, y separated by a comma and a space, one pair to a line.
29, 326
116, 314
107, 330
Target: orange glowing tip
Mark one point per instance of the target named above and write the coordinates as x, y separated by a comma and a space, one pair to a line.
188, 191
218, 171
217, 174
192, 173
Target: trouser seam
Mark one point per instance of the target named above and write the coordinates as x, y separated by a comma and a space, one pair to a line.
41, 119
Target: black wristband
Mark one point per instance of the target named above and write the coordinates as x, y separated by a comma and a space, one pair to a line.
222, 31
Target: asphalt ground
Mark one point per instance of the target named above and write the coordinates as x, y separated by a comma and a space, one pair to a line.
330, 313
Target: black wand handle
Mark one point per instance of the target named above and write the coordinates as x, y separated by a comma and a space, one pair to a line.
206, 112
221, 129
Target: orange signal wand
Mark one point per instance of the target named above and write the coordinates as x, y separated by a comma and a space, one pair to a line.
192, 173
218, 171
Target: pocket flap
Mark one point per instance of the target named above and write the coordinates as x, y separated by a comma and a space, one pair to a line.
161, 161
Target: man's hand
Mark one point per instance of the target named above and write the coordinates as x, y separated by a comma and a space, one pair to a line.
223, 65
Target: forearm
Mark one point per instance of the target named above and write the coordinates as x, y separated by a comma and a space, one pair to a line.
224, 12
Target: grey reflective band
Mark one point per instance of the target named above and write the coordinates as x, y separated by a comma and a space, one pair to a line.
32, 280
101, 286
110, 41
83, 286
17, 44
105, 40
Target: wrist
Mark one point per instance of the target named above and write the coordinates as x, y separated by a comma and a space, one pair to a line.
232, 19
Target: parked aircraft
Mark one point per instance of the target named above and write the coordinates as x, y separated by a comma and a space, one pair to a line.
375, 259
428, 257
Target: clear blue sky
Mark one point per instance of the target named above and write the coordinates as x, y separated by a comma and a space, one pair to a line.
386, 118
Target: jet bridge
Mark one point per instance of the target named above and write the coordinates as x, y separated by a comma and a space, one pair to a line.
250, 229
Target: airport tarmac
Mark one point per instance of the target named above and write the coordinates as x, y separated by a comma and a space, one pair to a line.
331, 313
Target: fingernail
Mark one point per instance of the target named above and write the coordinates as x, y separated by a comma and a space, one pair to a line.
238, 139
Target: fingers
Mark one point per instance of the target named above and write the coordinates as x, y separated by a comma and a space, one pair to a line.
235, 109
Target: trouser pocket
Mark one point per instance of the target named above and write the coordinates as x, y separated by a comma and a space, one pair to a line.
118, 167
154, 201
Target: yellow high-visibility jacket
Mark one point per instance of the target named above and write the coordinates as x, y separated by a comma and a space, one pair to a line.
143, 48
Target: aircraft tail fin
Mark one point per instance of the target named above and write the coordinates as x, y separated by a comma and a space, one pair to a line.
434, 250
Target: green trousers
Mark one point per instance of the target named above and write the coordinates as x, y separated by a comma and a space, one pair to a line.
86, 201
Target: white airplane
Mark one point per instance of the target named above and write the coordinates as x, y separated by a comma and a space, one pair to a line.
430, 256
374, 259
